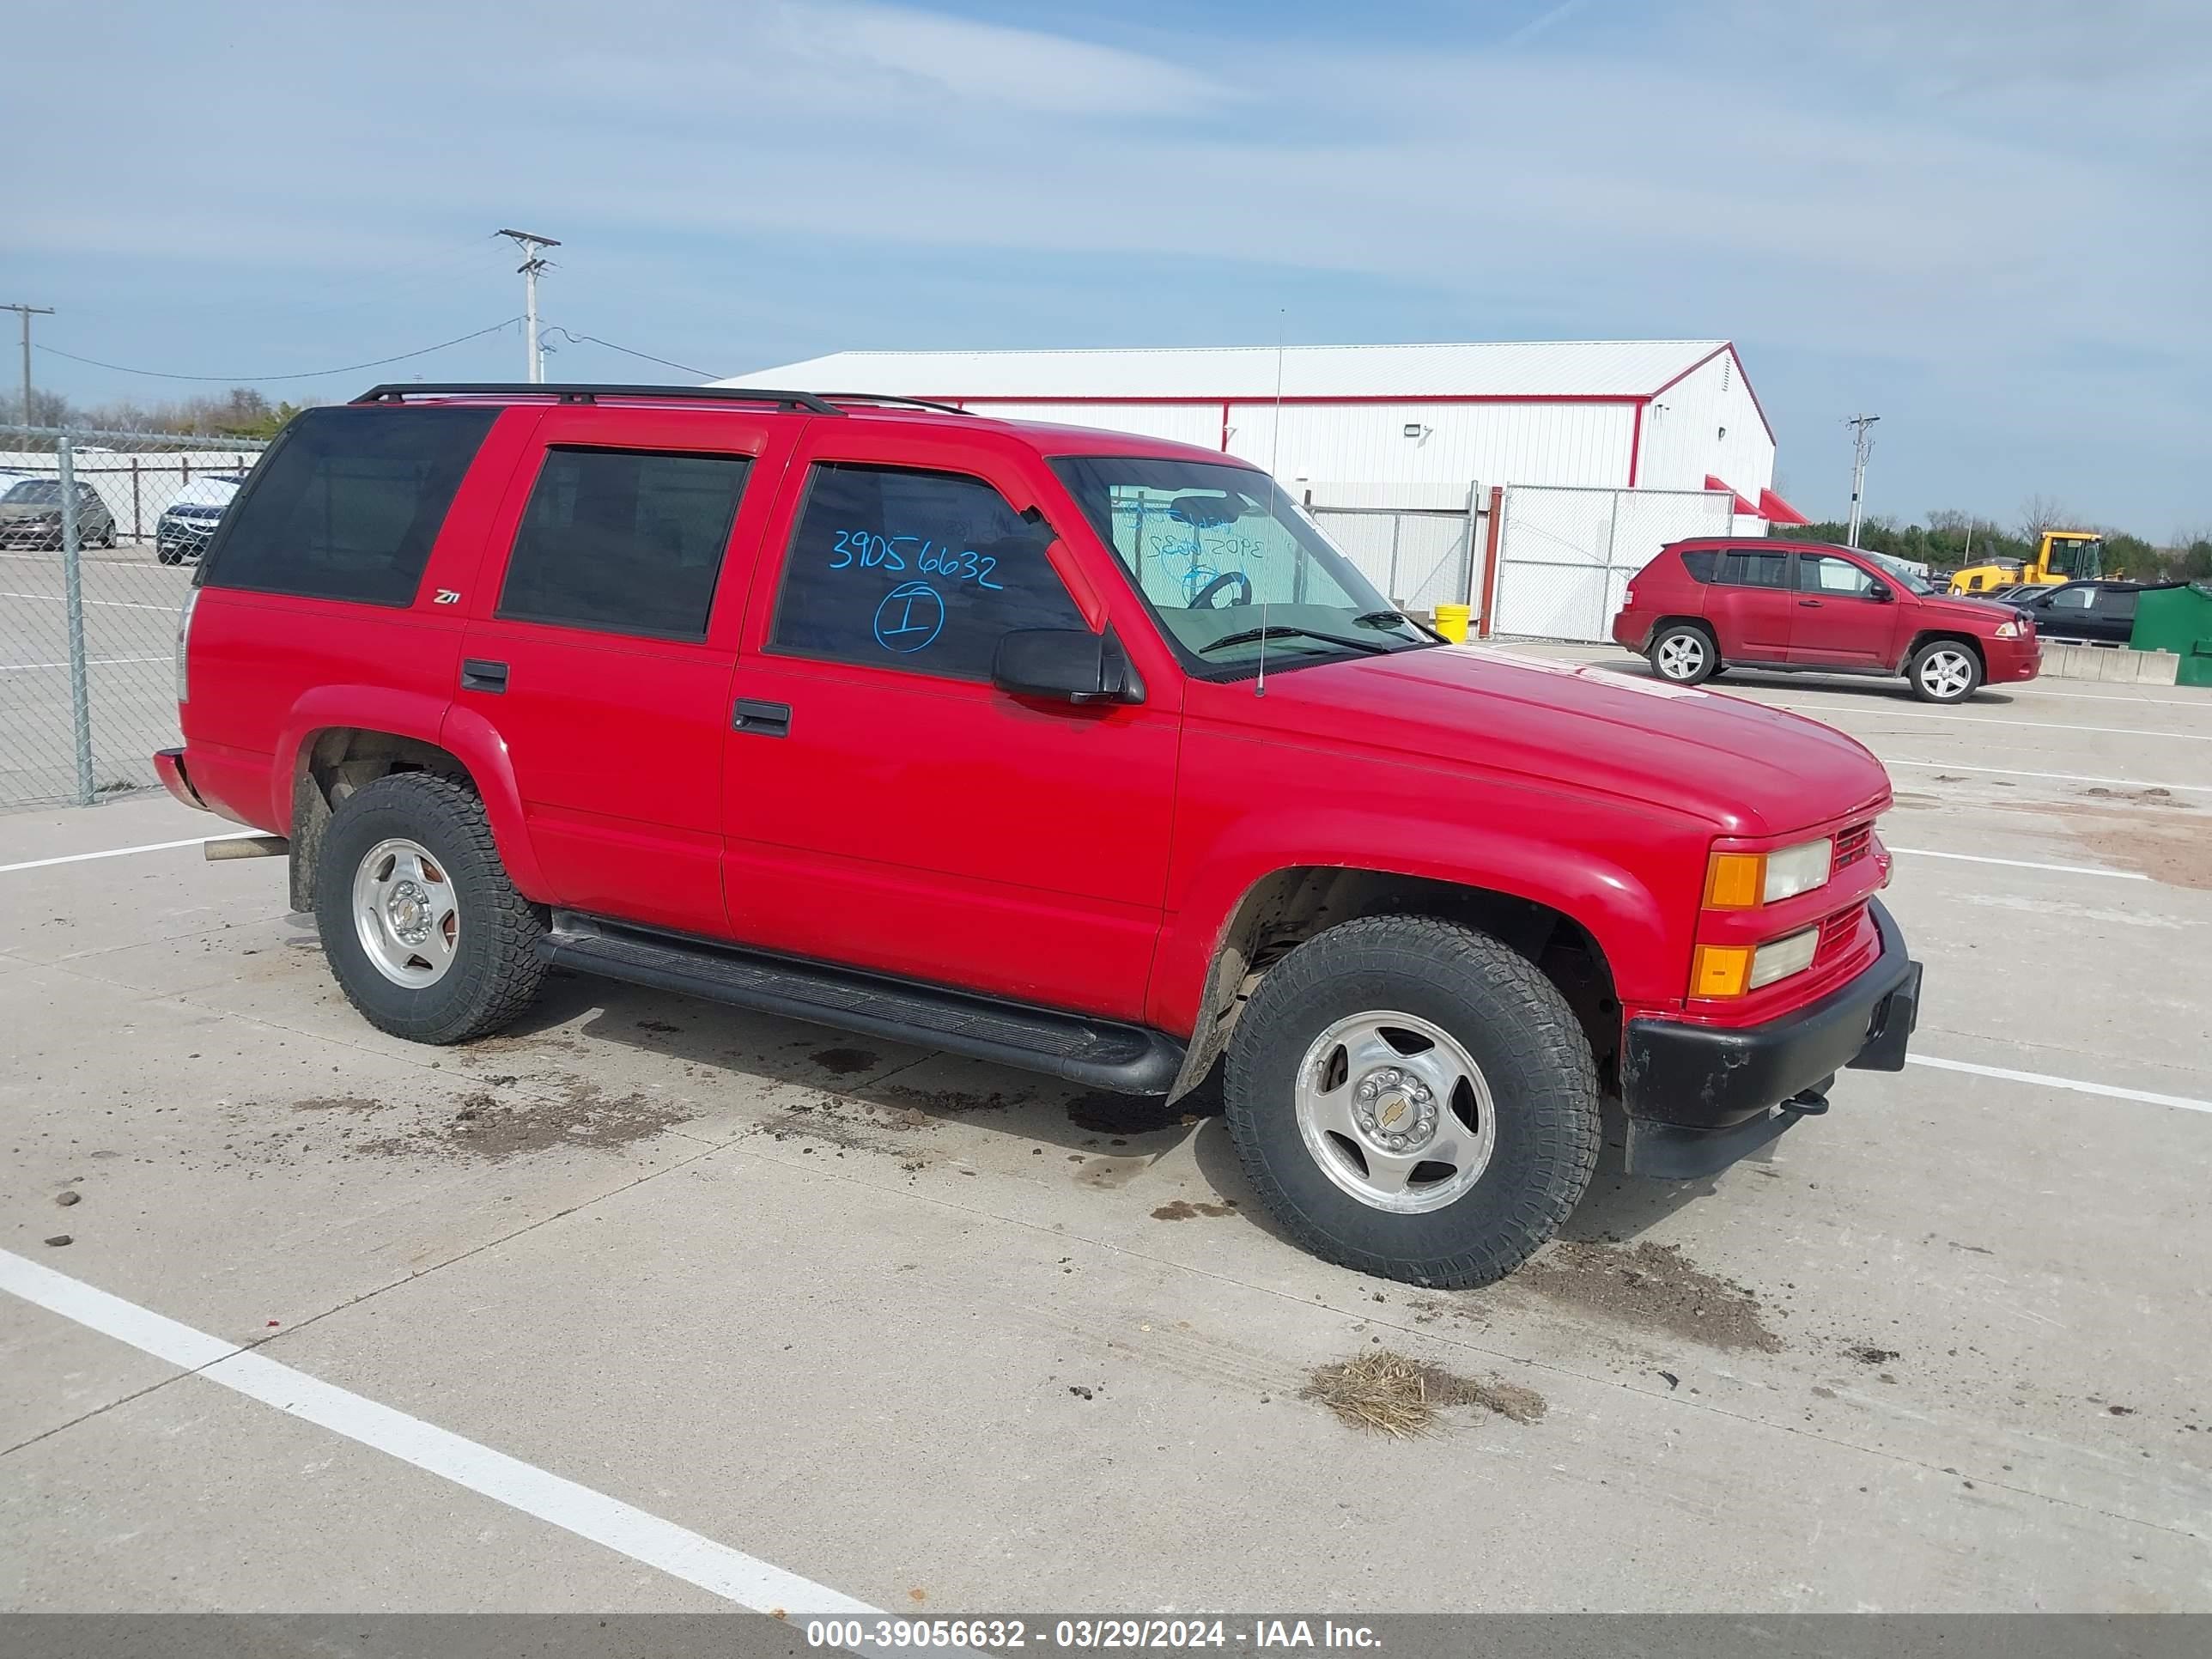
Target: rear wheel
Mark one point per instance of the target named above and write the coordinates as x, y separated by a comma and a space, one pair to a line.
1943, 670
424, 931
1413, 1099
1685, 654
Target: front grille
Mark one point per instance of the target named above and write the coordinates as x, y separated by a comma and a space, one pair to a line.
1852, 845
1836, 932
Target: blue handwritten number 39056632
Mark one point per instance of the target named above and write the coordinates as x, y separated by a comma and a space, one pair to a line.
868, 552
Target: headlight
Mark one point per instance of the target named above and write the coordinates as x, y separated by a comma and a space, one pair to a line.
1730, 970
2008, 631
1743, 881
1781, 957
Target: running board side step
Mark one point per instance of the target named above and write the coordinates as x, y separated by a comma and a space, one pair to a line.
1130, 1060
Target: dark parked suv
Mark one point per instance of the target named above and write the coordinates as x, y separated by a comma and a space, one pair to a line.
1075, 751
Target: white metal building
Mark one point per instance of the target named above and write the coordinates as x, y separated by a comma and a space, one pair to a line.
1426, 428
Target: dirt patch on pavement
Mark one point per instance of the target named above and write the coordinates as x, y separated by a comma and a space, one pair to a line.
489, 1125
844, 1062
2179, 854
338, 1103
1654, 1285
1184, 1209
952, 1102
1387, 1392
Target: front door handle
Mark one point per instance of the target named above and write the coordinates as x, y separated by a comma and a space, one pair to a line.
479, 674
761, 719
1810, 605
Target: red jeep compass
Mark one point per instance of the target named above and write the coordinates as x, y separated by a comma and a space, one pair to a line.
1702, 606
1075, 751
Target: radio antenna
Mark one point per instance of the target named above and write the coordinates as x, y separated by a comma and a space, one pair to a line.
1274, 455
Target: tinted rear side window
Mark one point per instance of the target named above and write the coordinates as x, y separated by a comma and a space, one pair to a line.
1756, 570
1701, 564
348, 503
625, 540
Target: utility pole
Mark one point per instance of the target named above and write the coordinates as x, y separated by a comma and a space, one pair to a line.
27, 312
1861, 447
530, 243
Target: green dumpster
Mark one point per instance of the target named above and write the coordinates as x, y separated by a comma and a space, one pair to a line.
2178, 619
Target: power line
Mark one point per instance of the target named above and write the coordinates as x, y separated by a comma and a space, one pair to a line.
306, 374
593, 339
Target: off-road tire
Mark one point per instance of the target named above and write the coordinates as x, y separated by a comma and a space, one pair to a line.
1920, 688
496, 969
1513, 1023
1708, 666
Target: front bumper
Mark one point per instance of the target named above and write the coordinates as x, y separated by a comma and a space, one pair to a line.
2004, 661
1701, 1096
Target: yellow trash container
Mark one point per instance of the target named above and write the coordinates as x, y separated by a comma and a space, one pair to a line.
1453, 620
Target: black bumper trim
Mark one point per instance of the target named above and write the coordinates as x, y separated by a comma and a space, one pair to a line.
1704, 1096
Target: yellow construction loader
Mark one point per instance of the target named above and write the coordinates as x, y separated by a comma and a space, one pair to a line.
2064, 555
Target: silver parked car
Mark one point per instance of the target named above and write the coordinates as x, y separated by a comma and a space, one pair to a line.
31, 515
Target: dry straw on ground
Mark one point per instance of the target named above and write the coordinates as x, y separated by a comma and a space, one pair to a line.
1391, 1395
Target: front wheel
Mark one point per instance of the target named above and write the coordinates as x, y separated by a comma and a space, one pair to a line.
1943, 670
1415, 1100
1685, 654
424, 931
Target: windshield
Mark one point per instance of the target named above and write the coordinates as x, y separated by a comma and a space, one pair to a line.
1904, 574
2076, 557
36, 492
1213, 547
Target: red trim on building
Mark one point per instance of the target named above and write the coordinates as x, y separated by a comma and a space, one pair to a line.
1225, 426
1775, 510
1744, 509
1635, 442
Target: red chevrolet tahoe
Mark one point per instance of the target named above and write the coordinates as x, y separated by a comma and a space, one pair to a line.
1703, 606
1075, 751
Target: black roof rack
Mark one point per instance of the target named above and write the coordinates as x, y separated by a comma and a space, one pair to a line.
888, 398
567, 393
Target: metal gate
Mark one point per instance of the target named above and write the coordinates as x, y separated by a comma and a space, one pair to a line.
1420, 557
1565, 555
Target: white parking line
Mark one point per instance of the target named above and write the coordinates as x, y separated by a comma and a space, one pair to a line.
2023, 864
2063, 777
2106, 697
2107, 1089
1980, 720
89, 662
121, 604
125, 852
677, 1550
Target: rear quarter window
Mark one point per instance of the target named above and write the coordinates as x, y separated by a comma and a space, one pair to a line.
347, 504
1702, 564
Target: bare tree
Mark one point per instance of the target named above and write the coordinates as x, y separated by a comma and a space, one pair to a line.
2039, 514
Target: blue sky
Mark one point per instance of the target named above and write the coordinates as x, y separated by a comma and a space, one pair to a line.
1985, 220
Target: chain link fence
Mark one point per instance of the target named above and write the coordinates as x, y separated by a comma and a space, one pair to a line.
99, 533
1420, 557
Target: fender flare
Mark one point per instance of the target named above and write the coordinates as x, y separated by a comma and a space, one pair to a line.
1609, 902
467, 735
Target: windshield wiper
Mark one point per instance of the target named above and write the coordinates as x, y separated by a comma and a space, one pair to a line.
1285, 630
1389, 618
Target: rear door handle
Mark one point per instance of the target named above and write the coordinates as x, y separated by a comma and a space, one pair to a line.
762, 719
479, 675
1810, 605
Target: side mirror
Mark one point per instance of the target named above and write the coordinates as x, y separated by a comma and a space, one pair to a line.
1065, 664
1880, 593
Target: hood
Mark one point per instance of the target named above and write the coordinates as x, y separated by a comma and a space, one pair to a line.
1741, 766
30, 510
1966, 613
